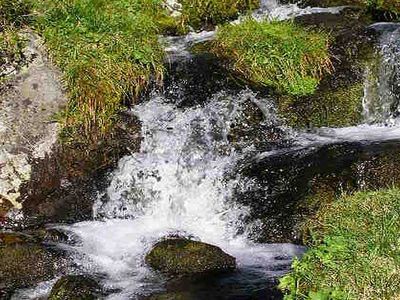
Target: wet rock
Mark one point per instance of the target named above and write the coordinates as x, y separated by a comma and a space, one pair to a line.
74, 287
25, 264
338, 100
288, 188
256, 126
182, 256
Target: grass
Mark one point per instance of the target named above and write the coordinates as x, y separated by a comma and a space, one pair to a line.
392, 7
108, 51
14, 15
354, 251
281, 55
206, 13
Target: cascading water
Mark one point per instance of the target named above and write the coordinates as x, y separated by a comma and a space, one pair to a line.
382, 92
174, 186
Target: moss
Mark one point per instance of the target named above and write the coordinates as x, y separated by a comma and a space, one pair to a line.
75, 287
281, 55
23, 264
181, 256
354, 251
338, 108
205, 13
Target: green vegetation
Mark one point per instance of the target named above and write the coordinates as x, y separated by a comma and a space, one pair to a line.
354, 251
205, 13
108, 52
329, 107
282, 55
14, 15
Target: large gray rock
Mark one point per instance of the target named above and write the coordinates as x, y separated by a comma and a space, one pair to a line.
29, 99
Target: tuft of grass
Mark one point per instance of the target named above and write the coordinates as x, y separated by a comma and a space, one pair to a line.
354, 251
14, 15
108, 51
282, 55
390, 7
206, 13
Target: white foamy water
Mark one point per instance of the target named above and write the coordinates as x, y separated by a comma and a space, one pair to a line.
382, 85
174, 185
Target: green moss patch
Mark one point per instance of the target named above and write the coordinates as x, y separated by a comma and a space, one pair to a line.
281, 55
354, 252
338, 108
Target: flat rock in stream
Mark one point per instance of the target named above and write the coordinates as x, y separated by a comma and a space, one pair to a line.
182, 256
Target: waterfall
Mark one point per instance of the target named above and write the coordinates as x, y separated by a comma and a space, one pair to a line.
382, 84
175, 185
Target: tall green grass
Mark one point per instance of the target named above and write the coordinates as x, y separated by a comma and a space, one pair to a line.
14, 15
108, 51
354, 251
281, 55
205, 13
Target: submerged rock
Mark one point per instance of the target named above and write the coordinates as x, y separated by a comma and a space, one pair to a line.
73, 287
182, 256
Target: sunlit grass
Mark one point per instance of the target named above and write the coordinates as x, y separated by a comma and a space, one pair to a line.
281, 55
354, 251
204, 13
108, 52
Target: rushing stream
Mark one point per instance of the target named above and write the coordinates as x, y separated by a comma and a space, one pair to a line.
181, 183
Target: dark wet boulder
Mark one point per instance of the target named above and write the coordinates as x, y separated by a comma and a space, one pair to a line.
73, 287
183, 256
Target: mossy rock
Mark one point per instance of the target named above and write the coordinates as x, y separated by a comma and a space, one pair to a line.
23, 264
182, 256
338, 108
74, 287
338, 100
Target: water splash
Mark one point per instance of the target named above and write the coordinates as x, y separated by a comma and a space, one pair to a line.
176, 184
